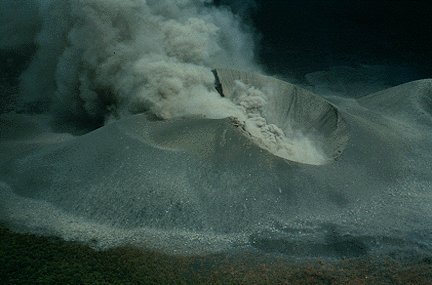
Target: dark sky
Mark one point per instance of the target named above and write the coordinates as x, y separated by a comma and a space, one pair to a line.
301, 36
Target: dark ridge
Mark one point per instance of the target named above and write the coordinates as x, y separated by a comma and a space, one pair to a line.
218, 84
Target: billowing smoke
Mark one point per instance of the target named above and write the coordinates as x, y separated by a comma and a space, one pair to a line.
99, 59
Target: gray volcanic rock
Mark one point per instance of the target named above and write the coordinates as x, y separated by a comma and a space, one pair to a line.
293, 109
195, 185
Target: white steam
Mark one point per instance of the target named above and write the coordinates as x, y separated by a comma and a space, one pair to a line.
290, 144
98, 58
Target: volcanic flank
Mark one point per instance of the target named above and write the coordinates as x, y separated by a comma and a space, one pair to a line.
114, 130
192, 185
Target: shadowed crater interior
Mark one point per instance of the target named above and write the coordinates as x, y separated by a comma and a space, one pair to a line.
305, 127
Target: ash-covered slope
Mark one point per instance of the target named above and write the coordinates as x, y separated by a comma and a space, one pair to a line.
410, 102
197, 185
296, 112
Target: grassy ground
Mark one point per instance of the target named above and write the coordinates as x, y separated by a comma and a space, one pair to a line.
29, 259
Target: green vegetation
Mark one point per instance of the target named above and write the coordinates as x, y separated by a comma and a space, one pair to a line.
29, 259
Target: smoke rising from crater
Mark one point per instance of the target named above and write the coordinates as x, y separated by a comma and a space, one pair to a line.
194, 184
97, 59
